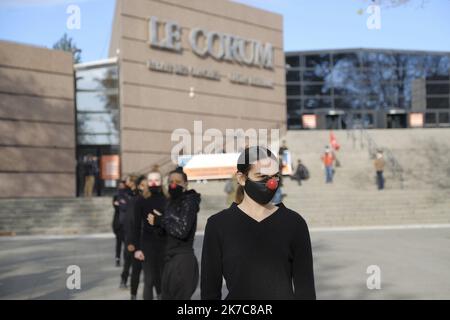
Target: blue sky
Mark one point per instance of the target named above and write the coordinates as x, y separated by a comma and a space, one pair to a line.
308, 24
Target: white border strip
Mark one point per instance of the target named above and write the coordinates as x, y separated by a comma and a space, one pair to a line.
390, 227
201, 233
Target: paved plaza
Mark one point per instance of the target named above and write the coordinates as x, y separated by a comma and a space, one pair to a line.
414, 264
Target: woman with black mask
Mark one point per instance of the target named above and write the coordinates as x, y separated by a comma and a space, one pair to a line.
180, 275
263, 251
150, 241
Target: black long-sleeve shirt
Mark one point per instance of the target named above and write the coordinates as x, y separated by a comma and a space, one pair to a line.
180, 222
271, 259
143, 206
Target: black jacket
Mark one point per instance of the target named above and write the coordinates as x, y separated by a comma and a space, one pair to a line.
115, 222
180, 222
142, 230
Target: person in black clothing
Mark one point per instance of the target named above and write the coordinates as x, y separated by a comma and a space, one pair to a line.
136, 264
263, 251
126, 198
149, 240
116, 223
180, 274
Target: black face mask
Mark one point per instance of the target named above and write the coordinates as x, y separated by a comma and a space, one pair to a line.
175, 190
155, 189
261, 191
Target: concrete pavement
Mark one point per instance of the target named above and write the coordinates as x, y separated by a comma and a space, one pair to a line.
414, 263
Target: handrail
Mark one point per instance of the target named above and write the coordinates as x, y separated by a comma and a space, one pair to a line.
372, 148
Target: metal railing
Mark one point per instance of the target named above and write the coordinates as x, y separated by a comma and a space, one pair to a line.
365, 138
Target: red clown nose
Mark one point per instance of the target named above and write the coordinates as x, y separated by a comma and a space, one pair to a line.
173, 185
272, 184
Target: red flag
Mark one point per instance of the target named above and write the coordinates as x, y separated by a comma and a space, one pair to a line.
333, 141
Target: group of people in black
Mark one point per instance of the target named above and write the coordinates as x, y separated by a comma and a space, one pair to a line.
261, 250
157, 230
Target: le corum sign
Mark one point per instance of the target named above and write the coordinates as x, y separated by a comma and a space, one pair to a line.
218, 45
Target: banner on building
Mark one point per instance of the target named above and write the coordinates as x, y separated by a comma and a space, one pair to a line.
210, 166
309, 121
110, 167
416, 120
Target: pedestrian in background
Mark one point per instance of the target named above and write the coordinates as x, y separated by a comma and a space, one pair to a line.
90, 171
328, 163
230, 189
379, 169
301, 173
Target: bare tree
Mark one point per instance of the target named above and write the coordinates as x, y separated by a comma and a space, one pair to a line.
67, 44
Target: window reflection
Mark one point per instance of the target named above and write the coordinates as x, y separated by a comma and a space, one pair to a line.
375, 80
97, 105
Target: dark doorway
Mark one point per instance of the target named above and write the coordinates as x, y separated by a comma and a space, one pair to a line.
396, 121
334, 122
101, 187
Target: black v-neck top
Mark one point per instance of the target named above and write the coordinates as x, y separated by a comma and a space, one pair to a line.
266, 260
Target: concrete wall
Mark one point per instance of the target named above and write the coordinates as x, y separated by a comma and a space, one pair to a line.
153, 104
37, 142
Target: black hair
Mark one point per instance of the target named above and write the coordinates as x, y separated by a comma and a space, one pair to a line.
139, 180
245, 162
180, 171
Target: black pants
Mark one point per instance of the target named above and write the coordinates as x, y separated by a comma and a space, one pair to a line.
127, 260
136, 267
153, 249
119, 241
380, 180
180, 276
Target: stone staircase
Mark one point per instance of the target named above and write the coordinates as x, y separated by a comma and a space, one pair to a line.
352, 200
64, 216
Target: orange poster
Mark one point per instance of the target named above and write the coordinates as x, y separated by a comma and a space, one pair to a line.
110, 167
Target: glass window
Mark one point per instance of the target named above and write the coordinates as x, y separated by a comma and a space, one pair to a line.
97, 100
438, 103
430, 118
293, 90
97, 78
438, 88
317, 103
347, 60
318, 74
444, 117
437, 67
294, 122
293, 61
98, 123
293, 76
323, 60
316, 89
294, 104
98, 139
350, 102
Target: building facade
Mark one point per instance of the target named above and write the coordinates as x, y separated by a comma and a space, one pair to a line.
182, 61
37, 141
333, 89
